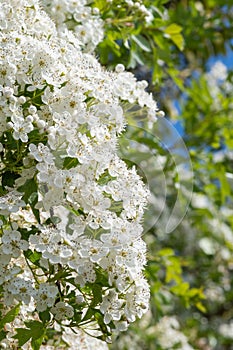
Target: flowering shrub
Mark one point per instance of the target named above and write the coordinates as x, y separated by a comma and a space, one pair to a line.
71, 253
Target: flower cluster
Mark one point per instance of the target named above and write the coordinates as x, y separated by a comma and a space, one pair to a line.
169, 336
78, 21
82, 22
71, 250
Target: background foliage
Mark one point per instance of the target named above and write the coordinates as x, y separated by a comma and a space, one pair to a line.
190, 269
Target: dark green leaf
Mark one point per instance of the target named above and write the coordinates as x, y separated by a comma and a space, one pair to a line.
97, 295
45, 316
23, 335
29, 188
2, 335
10, 316
8, 179
70, 163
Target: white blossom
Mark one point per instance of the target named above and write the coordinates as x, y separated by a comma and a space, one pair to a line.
82, 220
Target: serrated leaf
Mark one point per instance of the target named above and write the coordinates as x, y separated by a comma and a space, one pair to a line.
10, 316
36, 331
22, 335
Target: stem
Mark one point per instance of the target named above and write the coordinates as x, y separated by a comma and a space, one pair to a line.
34, 275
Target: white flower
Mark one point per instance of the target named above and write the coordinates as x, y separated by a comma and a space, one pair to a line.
22, 127
62, 310
41, 153
51, 244
92, 249
226, 330
45, 296
86, 273
12, 244
111, 306
11, 202
21, 289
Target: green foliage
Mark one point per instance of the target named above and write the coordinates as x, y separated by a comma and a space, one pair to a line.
35, 331
9, 317
131, 40
29, 189
190, 270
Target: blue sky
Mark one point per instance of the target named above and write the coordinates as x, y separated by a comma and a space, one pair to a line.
226, 59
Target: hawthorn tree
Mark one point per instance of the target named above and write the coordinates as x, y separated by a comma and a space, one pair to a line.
74, 137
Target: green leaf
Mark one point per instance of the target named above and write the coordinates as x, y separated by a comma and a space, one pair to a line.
181, 289
105, 178
25, 234
89, 314
32, 200
36, 343
77, 316
135, 59
174, 74
8, 179
45, 316
100, 320
166, 252
97, 295
23, 335
29, 188
173, 29
142, 42
35, 330
178, 40
70, 163
60, 275
159, 40
2, 335
2, 191
201, 307
34, 257
225, 187
31, 195
10, 316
